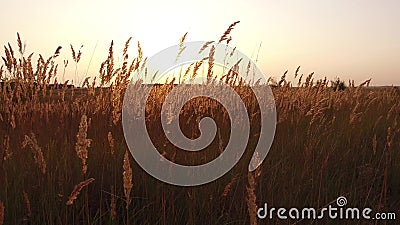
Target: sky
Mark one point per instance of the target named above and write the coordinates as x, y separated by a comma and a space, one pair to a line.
350, 39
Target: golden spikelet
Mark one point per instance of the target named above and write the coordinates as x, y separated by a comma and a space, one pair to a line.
73, 52
211, 62
83, 143
77, 189
187, 71
205, 46
229, 40
196, 68
76, 56
36, 150
86, 82
127, 45
21, 47
57, 52
127, 177
233, 52
1, 213
227, 32
228, 187
181, 47
140, 52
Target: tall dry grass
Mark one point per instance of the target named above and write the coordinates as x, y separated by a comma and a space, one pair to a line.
327, 143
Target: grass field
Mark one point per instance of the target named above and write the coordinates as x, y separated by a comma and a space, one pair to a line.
65, 160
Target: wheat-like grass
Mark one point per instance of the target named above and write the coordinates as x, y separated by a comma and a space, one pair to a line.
83, 143
228, 187
227, 32
77, 189
205, 45
181, 46
211, 62
36, 150
312, 107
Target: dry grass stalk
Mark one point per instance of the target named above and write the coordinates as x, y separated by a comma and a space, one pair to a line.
127, 176
251, 199
36, 150
205, 46
6, 145
76, 56
21, 47
233, 52
181, 47
196, 68
83, 143
111, 142
27, 204
140, 52
77, 189
107, 67
228, 187
227, 32
113, 206
211, 62
86, 82
127, 46
57, 52
1, 213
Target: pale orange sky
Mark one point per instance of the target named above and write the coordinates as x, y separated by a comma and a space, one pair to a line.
357, 39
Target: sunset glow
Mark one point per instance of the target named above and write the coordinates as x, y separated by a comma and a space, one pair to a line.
349, 39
